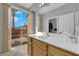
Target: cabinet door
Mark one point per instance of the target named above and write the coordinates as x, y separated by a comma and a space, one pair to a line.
40, 44
29, 46
58, 52
38, 52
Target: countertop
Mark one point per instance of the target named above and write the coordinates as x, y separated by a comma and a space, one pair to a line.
59, 40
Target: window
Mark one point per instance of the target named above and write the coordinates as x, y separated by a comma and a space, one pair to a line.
20, 19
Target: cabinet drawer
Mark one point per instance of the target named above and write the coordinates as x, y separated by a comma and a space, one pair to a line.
57, 52
40, 44
38, 52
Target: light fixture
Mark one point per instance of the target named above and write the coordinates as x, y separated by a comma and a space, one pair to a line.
42, 4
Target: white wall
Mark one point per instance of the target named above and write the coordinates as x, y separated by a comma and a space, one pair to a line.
38, 22
66, 23
33, 23
1, 22
77, 20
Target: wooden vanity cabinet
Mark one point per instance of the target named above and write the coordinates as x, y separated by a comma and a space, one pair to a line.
39, 48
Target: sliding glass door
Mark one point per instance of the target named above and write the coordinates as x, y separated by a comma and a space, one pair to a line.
19, 23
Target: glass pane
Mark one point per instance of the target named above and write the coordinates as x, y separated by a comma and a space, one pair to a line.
24, 18
17, 19
20, 19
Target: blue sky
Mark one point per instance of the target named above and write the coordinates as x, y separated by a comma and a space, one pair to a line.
20, 16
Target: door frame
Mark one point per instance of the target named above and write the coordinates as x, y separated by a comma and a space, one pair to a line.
57, 17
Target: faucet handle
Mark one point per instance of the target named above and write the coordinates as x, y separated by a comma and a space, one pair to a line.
47, 34
60, 32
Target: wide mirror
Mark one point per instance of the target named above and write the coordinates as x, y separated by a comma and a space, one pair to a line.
64, 19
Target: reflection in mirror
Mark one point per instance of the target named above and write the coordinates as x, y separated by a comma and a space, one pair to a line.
53, 25
67, 22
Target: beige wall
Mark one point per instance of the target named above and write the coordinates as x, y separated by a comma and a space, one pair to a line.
5, 28
1, 17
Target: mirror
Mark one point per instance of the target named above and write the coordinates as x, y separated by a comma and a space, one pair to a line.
64, 24
66, 20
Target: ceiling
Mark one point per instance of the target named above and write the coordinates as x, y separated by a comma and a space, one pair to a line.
49, 8
27, 5
41, 10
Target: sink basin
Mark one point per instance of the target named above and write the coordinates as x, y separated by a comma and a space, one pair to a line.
44, 37
74, 40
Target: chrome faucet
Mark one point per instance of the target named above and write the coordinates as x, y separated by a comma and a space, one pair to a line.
74, 39
47, 34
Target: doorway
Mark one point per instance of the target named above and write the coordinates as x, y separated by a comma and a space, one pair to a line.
52, 25
18, 29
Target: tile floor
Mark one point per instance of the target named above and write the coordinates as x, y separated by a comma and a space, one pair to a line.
20, 50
